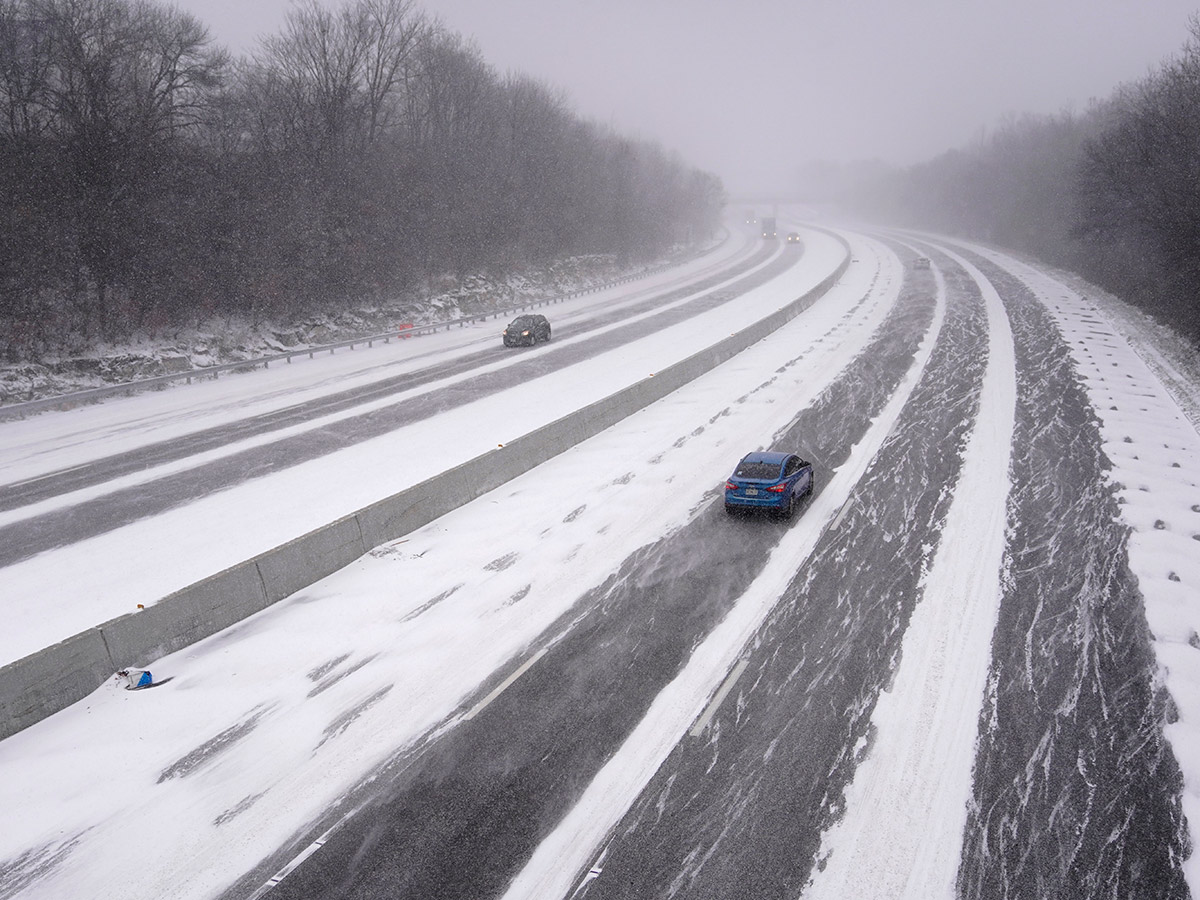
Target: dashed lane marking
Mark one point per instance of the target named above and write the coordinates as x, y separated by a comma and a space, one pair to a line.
300, 857
837, 523
54, 474
719, 697
500, 689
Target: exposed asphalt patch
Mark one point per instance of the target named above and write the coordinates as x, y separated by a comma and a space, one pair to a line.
461, 821
1077, 793
740, 813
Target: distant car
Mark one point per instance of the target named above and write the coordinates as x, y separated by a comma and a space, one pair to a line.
921, 262
525, 331
769, 481
793, 238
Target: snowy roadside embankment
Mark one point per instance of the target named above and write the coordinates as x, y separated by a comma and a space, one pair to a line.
267, 726
1154, 448
906, 807
233, 339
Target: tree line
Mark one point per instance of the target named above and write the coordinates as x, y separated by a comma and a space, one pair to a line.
1112, 192
148, 178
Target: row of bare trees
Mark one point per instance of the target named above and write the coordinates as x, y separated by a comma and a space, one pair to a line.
147, 178
1138, 190
1112, 192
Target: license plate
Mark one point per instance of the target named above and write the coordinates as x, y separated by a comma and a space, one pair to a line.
751, 492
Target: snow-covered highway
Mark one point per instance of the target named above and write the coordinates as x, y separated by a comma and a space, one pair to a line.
954, 674
250, 462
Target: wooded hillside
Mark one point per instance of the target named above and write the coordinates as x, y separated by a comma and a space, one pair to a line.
1112, 192
147, 178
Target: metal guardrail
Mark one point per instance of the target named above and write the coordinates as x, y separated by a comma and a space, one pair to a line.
403, 332
50, 679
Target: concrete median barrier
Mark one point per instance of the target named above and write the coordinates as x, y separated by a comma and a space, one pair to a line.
309, 558
52, 679
186, 616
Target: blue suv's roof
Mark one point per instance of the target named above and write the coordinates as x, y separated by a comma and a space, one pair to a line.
766, 456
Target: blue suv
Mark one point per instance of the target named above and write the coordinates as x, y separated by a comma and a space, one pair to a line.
770, 481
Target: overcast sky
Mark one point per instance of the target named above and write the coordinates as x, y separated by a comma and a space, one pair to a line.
752, 89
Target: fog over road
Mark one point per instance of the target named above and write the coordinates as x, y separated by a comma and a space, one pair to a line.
938, 680
441, 387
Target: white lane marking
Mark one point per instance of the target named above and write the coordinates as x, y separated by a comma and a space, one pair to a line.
837, 523
500, 688
300, 857
905, 811
554, 867
717, 700
53, 474
593, 873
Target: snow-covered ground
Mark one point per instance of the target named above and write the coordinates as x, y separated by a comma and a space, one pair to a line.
233, 339
420, 623
1142, 390
266, 726
98, 579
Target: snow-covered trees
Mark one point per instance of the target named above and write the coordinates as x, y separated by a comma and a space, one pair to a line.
1139, 192
147, 179
1112, 192
95, 98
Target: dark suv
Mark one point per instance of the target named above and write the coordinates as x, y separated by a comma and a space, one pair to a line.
526, 331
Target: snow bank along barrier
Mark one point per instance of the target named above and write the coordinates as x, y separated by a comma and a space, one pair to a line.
52, 679
399, 332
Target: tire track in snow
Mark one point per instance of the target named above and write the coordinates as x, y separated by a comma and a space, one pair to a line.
566, 855
1076, 792
906, 808
484, 792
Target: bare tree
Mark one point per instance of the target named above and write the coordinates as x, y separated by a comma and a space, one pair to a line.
100, 93
1139, 190
394, 30
25, 65
145, 179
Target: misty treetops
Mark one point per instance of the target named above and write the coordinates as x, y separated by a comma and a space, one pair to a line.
148, 178
1112, 193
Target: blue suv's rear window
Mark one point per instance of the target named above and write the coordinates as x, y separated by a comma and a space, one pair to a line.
760, 470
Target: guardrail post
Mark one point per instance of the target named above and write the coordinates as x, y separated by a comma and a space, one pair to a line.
405, 330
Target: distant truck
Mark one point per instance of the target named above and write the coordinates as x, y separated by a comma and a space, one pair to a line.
768, 228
